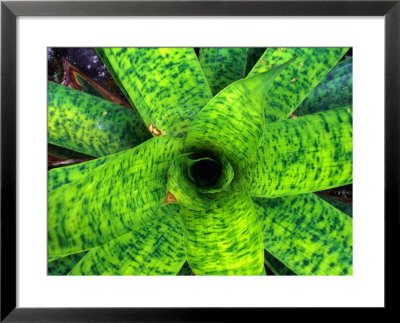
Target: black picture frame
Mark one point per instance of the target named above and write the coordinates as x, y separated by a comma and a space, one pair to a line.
10, 10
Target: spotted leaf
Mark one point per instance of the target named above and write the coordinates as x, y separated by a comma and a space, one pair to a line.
166, 85
111, 199
307, 154
232, 123
226, 238
90, 125
153, 249
222, 66
335, 91
307, 234
294, 84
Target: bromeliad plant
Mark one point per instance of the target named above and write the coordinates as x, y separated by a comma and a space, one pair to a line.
213, 170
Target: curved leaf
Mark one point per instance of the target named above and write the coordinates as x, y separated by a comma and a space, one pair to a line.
224, 239
222, 66
153, 249
303, 155
111, 199
90, 125
166, 85
292, 86
307, 234
335, 91
232, 123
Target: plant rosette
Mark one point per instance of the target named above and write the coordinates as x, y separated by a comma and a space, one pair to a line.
211, 172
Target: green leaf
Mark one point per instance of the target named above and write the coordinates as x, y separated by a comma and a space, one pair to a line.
110, 200
303, 155
62, 266
232, 123
275, 266
335, 91
226, 238
166, 85
253, 55
90, 125
307, 234
153, 249
58, 177
222, 66
292, 86
344, 207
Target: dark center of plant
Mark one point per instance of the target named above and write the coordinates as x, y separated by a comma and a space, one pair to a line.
205, 172
195, 177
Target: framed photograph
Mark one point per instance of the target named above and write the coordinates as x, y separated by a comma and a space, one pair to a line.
167, 160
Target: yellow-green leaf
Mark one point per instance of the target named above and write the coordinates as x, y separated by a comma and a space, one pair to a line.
90, 125
226, 238
153, 249
302, 155
166, 85
111, 199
